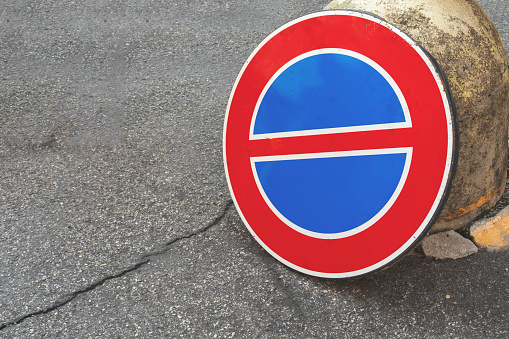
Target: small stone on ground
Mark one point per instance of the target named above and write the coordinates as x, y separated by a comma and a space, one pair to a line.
493, 233
447, 245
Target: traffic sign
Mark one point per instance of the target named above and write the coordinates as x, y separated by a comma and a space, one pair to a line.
339, 143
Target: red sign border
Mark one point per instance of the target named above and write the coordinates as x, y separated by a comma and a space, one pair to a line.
452, 148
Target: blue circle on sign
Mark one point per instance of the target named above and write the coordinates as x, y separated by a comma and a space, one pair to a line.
325, 194
327, 91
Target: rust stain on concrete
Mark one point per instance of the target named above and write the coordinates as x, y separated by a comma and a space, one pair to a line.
494, 234
472, 207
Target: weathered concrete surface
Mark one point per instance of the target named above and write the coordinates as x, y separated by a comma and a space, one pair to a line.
492, 233
447, 245
468, 48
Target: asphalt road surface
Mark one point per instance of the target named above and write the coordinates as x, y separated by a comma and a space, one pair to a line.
115, 216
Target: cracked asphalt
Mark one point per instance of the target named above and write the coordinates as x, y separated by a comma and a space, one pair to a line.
115, 216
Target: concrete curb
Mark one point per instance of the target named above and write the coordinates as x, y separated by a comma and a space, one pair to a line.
487, 234
492, 234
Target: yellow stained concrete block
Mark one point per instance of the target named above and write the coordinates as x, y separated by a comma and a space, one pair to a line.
494, 233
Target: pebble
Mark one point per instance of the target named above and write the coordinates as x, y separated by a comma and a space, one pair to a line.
447, 245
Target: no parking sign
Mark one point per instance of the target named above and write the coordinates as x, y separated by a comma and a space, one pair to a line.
339, 143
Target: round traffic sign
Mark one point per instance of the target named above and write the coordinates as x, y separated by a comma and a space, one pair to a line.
339, 143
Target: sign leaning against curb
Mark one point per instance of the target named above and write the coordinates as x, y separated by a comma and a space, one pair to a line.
339, 143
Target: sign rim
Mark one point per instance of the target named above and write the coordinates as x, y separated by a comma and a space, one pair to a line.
450, 165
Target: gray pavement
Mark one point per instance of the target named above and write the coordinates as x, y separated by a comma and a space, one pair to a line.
115, 217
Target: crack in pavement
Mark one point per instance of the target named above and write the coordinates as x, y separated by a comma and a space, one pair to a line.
289, 297
68, 298
145, 259
271, 265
